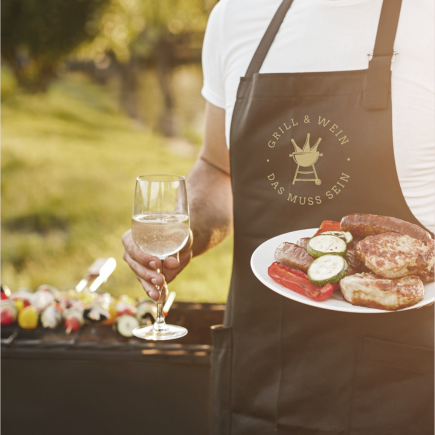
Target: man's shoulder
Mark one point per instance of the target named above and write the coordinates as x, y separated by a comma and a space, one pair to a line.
240, 11
239, 21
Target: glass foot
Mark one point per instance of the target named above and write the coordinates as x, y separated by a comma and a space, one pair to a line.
171, 332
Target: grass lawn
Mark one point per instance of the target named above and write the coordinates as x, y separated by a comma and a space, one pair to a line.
69, 162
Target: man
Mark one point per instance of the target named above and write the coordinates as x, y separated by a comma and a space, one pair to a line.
357, 79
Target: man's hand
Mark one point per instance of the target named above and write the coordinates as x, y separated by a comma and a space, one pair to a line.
211, 214
147, 267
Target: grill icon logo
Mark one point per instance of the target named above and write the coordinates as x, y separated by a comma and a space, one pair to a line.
306, 157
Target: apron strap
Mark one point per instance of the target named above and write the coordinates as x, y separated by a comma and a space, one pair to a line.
379, 73
268, 38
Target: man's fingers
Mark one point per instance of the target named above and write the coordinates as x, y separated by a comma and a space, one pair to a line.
137, 255
171, 263
148, 268
150, 290
145, 259
171, 267
185, 257
163, 294
170, 274
157, 295
188, 244
151, 276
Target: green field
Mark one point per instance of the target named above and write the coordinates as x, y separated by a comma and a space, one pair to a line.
69, 162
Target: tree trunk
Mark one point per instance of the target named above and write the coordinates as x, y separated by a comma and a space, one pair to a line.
164, 63
128, 95
32, 78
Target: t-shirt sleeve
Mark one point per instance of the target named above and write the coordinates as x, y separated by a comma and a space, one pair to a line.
213, 88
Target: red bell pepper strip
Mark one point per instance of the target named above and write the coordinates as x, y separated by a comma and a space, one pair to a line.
328, 226
298, 281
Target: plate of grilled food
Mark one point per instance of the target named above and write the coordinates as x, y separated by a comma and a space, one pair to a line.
363, 264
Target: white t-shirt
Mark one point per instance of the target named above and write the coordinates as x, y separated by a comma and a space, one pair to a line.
337, 35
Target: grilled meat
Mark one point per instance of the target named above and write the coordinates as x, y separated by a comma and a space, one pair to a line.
367, 290
354, 262
303, 242
362, 225
292, 255
393, 255
429, 276
353, 244
352, 258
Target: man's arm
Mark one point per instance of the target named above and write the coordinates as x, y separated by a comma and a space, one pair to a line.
209, 186
210, 202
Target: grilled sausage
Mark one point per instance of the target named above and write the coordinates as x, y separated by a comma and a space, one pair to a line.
303, 242
292, 255
362, 225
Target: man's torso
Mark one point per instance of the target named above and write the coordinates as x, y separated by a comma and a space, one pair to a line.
337, 35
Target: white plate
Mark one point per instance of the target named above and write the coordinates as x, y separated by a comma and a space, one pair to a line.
263, 257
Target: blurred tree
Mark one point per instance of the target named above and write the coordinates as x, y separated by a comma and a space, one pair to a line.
132, 27
37, 35
175, 30
161, 33
120, 25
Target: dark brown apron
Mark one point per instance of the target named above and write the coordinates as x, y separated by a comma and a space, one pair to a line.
281, 367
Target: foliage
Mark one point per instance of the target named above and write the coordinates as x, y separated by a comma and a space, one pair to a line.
120, 24
37, 35
134, 26
69, 160
178, 16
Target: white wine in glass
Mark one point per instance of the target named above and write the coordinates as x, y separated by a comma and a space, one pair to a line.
160, 233
160, 227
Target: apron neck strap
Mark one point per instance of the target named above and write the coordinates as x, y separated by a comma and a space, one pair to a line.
268, 38
379, 74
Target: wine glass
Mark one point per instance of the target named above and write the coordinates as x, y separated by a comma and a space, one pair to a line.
160, 227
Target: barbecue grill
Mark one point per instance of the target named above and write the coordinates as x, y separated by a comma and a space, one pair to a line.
306, 157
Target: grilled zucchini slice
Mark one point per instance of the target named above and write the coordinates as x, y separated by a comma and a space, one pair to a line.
325, 245
125, 325
328, 269
345, 235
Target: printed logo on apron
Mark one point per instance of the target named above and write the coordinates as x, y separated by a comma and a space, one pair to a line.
300, 157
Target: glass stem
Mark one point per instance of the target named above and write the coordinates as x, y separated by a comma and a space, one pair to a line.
159, 324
